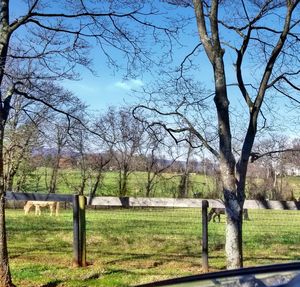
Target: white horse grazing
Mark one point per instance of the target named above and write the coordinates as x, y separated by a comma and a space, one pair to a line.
38, 204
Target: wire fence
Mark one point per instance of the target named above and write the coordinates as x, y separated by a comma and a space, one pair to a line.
162, 241
167, 242
172, 237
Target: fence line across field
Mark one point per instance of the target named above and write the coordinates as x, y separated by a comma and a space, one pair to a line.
39, 196
186, 203
152, 202
79, 203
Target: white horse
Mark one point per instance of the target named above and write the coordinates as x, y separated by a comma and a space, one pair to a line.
38, 204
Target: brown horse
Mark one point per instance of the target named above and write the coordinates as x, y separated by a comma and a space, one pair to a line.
38, 204
216, 212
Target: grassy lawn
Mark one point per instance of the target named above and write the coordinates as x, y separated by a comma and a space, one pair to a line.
131, 246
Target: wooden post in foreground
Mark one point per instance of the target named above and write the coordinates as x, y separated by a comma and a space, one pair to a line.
76, 244
204, 236
79, 231
82, 229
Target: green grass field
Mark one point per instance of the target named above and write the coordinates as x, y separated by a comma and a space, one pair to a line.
166, 186
69, 182
132, 246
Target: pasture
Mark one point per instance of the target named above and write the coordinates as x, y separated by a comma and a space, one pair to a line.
131, 246
69, 180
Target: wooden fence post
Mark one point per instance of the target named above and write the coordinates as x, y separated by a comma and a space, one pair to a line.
76, 240
79, 230
204, 236
82, 229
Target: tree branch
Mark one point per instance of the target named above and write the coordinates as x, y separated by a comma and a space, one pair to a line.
256, 155
189, 127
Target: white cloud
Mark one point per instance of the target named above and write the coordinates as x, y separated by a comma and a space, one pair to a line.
129, 85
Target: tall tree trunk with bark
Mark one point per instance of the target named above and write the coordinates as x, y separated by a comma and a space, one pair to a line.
233, 200
233, 247
5, 276
123, 180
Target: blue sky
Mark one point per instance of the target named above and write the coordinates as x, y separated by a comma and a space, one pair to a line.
100, 92
110, 88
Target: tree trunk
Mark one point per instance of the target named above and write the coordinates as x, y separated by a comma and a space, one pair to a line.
233, 245
234, 231
124, 183
123, 178
148, 185
53, 180
185, 177
232, 195
183, 185
10, 182
95, 186
5, 276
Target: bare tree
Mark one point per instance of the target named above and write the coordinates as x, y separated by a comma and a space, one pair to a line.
98, 163
184, 183
291, 159
92, 158
272, 157
244, 32
22, 136
122, 135
61, 133
153, 150
50, 39
59, 139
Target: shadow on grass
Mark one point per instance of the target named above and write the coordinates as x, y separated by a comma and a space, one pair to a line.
52, 284
119, 271
154, 256
271, 258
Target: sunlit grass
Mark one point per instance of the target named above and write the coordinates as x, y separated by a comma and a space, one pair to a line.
69, 182
130, 246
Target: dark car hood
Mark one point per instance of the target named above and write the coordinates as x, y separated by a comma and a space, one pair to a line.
279, 275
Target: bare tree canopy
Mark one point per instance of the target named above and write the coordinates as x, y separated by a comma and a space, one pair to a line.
44, 41
249, 50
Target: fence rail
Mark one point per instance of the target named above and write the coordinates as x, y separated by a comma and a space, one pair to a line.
187, 202
38, 196
153, 202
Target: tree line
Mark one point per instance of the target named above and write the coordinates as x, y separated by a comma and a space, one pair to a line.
38, 148
119, 143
